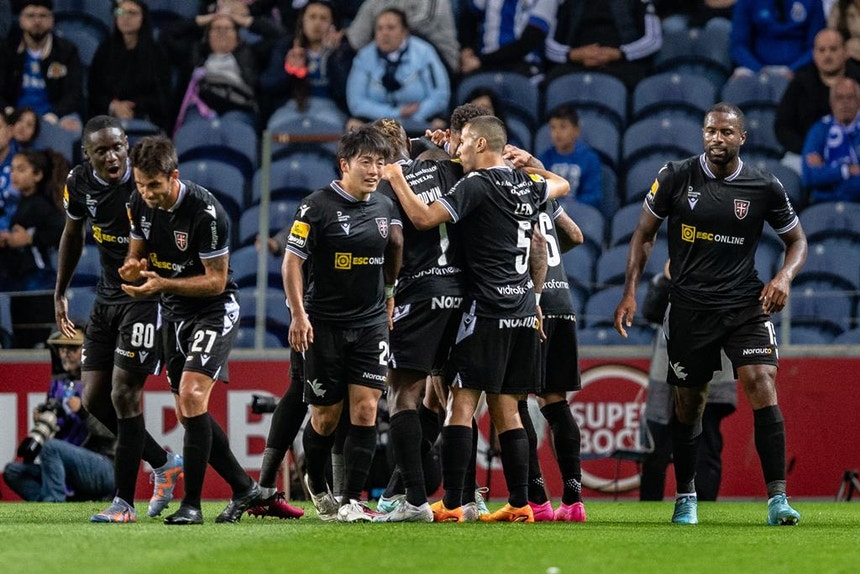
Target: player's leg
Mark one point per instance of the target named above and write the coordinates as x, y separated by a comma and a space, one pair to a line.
358, 451
537, 498
456, 452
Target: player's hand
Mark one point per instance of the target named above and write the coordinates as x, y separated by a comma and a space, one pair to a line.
392, 171
774, 295
389, 308
61, 314
624, 314
131, 269
540, 324
153, 284
438, 137
519, 158
301, 334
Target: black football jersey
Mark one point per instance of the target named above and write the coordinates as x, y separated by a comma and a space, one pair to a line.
179, 239
714, 229
495, 210
105, 207
432, 259
343, 241
555, 298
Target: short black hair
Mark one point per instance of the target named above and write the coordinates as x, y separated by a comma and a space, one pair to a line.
98, 123
154, 155
565, 112
464, 113
730, 109
491, 129
366, 139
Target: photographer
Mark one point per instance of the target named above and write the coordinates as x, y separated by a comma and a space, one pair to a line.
67, 454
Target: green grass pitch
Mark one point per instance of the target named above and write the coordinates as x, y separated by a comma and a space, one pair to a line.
624, 536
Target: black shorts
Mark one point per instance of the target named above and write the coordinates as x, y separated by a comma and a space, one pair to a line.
423, 334
497, 356
126, 335
200, 344
695, 338
340, 357
560, 355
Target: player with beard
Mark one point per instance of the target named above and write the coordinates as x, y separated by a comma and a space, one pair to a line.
179, 251
121, 346
496, 347
716, 206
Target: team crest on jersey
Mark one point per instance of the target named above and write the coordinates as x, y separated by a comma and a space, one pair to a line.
181, 238
382, 226
742, 207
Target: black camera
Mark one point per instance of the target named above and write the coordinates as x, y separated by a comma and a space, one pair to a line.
45, 427
261, 404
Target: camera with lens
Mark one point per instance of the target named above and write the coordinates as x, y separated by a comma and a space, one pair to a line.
45, 427
261, 404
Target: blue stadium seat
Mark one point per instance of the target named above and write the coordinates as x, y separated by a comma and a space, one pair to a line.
304, 134
590, 222
752, 92
611, 196
295, 176
519, 132
676, 138
600, 306
224, 180
608, 336
281, 214
831, 219
85, 34
789, 178
675, 92
136, 129
835, 259
277, 315
700, 51
611, 266
851, 337
598, 131
233, 142
601, 93
99, 12
579, 266
624, 222
518, 92
761, 137
243, 263
80, 301
824, 302
640, 176
810, 335
768, 260
62, 141
89, 268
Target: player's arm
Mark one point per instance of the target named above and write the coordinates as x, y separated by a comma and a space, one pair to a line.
422, 216
569, 233
775, 293
538, 269
212, 282
391, 268
641, 244
301, 333
520, 158
135, 260
558, 186
69, 253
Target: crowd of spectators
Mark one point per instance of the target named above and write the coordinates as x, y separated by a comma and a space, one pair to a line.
276, 63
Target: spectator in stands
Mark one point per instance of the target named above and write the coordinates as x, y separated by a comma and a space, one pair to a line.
77, 461
487, 99
433, 21
506, 36
618, 38
225, 68
774, 35
43, 71
126, 68
696, 13
36, 226
307, 71
831, 168
398, 76
807, 97
572, 158
25, 126
9, 196
845, 17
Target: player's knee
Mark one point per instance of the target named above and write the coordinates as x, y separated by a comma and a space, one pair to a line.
363, 412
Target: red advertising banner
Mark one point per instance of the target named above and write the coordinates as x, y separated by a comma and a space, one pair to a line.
816, 396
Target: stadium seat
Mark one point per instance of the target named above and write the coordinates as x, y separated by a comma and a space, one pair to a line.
136, 129
824, 302
761, 138
755, 92
99, 12
624, 222
88, 269
295, 176
836, 259
677, 92
599, 310
768, 260
80, 301
52, 136
224, 180
611, 200
676, 137
789, 178
277, 316
640, 176
243, 264
608, 336
700, 51
518, 92
579, 267
281, 214
601, 93
598, 132
85, 34
851, 337
590, 222
519, 132
611, 266
233, 142
810, 335
831, 219
304, 134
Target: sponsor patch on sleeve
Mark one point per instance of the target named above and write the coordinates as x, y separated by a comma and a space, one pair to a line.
299, 233
654, 187
536, 177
